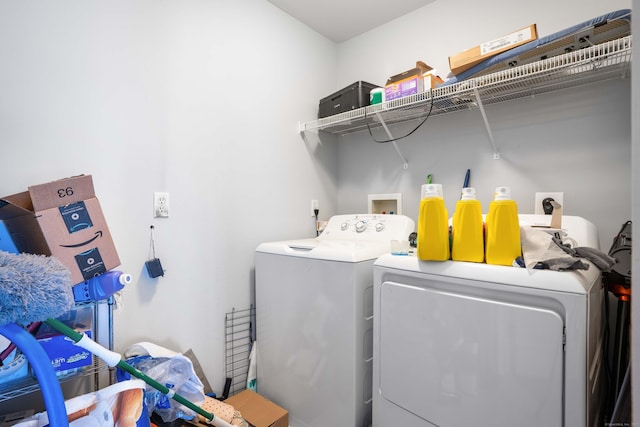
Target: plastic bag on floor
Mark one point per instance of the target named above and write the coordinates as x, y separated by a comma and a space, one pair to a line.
174, 371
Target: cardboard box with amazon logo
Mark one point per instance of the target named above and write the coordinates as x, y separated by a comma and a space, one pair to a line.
62, 219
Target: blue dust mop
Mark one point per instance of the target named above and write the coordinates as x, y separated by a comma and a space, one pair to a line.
38, 288
33, 288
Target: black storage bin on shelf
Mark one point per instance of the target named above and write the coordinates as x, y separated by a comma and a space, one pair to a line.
351, 97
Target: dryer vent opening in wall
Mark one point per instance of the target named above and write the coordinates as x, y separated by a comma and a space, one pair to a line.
385, 203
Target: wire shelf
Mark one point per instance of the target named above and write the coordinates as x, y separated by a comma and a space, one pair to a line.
605, 61
27, 385
239, 329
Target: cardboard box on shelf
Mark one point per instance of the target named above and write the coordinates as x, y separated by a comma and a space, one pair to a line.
464, 60
259, 411
431, 80
62, 219
410, 82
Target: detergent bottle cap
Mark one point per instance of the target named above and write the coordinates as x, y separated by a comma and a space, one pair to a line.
125, 279
468, 193
503, 193
431, 190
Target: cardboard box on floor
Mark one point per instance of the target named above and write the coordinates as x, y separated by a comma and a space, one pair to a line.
471, 57
62, 219
258, 411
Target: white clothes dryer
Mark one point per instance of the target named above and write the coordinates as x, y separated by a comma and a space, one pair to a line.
460, 344
314, 319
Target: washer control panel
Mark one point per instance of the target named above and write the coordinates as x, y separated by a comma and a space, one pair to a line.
368, 227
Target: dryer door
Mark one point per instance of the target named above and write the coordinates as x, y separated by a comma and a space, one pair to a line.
452, 359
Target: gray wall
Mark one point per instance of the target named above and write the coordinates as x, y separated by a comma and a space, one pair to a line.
576, 141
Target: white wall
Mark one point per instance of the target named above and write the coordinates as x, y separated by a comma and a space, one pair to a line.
575, 141
197, 98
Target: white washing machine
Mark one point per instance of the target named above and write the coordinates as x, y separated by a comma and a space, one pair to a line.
314, 319
460, 344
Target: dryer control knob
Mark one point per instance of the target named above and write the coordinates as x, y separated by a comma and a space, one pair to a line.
361, 226
379, 226
344, 226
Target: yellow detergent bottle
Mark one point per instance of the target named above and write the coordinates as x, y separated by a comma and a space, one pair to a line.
467, 228
502, 229
433, 225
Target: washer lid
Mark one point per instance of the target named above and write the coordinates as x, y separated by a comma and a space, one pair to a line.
332, 250
564, 281
348, 238
578, 230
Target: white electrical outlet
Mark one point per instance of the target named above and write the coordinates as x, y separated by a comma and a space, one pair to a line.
557, 196
160, 205
314, 206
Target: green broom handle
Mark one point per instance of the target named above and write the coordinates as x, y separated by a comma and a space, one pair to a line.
114, 359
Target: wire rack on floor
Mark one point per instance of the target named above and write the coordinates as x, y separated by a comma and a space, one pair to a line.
239, 336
